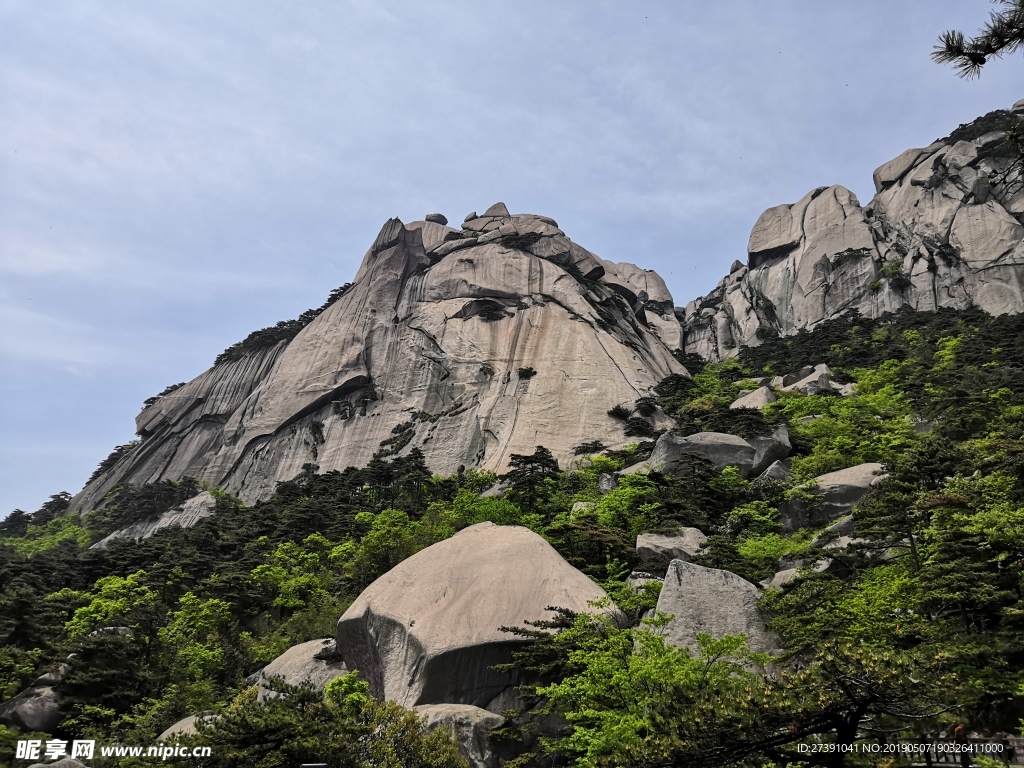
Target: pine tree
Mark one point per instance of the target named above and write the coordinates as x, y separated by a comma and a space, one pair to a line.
1004, 33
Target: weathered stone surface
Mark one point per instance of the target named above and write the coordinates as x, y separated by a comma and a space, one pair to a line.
780, 579
187, 726
841, 529
836, 492
315, 664
770, 449
894, 170
711, 601
759, 398
34, 709
776, 471
188, 514
184, 727
428, 631
657, 550
810, 381
470, 725
720, 449
437, 218
607, 482
943, 215
391, 347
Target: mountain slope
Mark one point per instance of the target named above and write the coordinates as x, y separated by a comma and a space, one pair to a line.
468, 344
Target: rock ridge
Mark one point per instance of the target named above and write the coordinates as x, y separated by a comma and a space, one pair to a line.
426, 349
944, 229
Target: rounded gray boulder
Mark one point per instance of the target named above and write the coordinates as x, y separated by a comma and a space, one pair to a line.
657, 550
34, 709
315, 664
720, 449
429, 630
836, 492
470, 725
713, 602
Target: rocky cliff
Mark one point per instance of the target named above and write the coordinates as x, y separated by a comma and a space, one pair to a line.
944, 229
470, 344
477, 342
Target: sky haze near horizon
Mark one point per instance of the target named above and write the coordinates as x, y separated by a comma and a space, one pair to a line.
175, 176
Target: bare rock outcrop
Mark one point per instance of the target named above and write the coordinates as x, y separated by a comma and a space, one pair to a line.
37, 708
424, 350
314, 663
429, 630
657, 550
836, 494
760, 398
470, 725
188, 514
713, 602
721, 449
945, 229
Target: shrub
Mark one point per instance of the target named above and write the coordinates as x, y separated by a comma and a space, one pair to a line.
620, 412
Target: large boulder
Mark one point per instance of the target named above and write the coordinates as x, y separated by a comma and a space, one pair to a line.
657, 550
770, 448
34, 709
836, 494
714, 602
187, 726
760, 398
429, 630
720, 449
776, 471
185, 516
315, 664
470, 724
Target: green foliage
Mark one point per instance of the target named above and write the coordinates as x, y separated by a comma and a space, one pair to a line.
285, 330
343, 727
112, 459
166, 391
632, 697
620, 412
40, 538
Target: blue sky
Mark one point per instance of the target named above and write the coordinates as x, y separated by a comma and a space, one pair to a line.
175, 175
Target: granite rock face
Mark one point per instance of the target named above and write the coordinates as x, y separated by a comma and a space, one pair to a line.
428, 631
760, 398
427, 343
470, 725
770, 448
37, 708
944, 229
657, 550
314, 663
721, 449
714, 602
188, 514
836, 492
